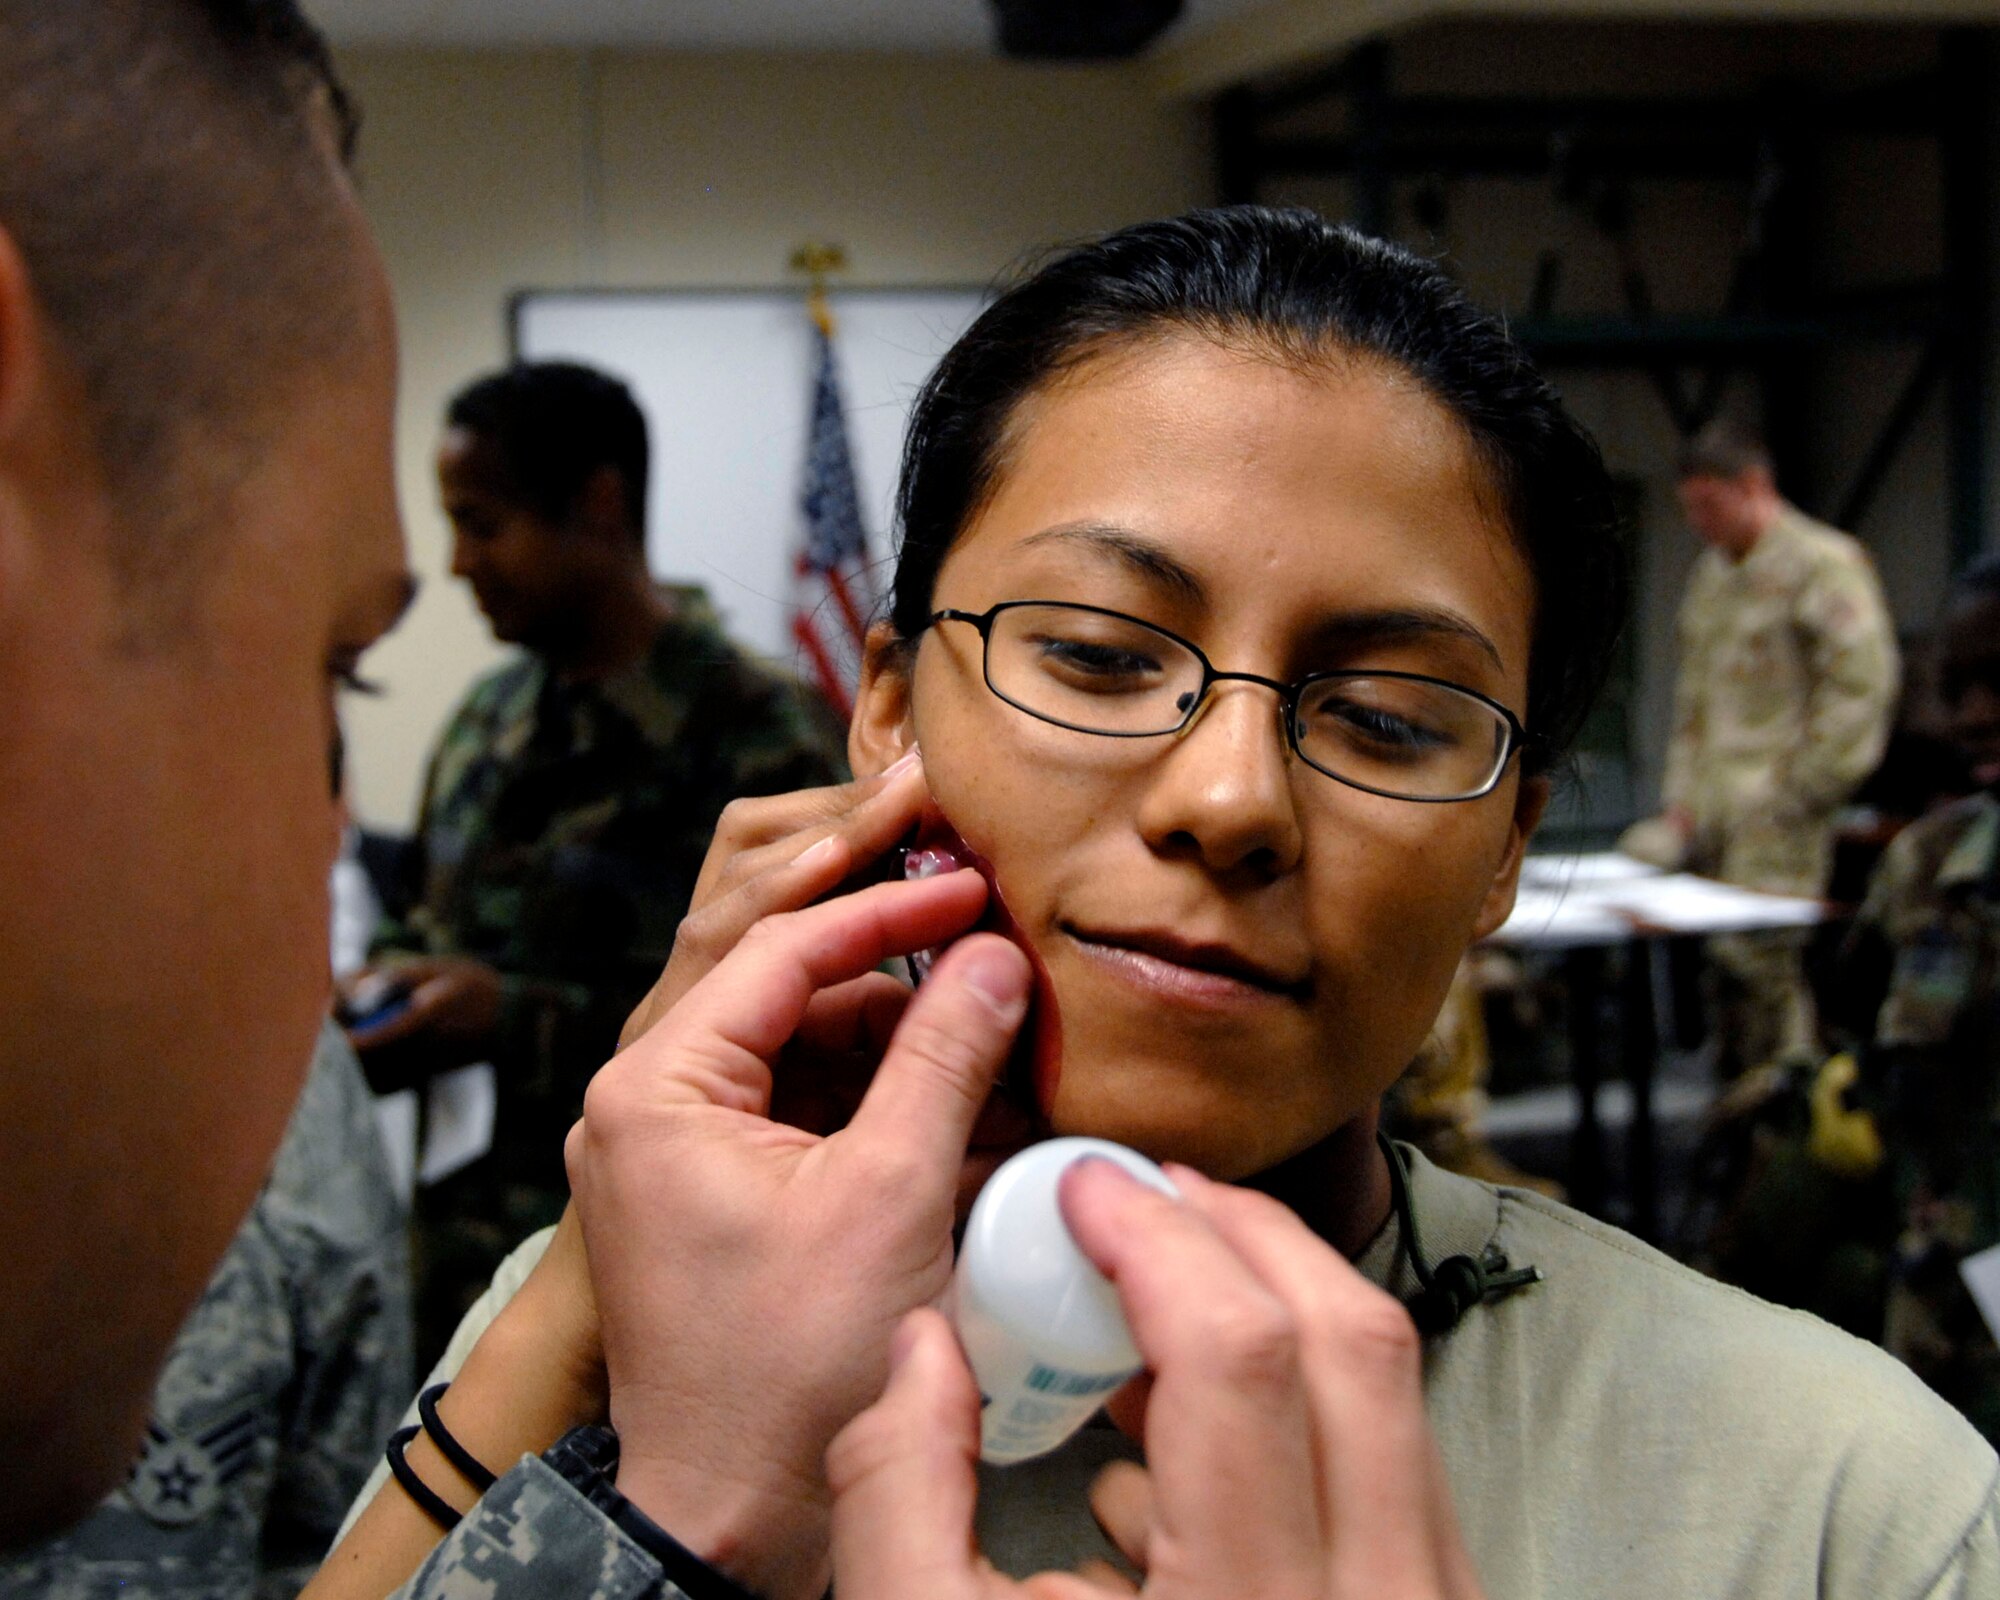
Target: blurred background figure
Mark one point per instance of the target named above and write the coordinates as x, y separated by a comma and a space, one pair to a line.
1921, 972
1786, 684
356, 907
1440, 1104
276, 1397
567, 807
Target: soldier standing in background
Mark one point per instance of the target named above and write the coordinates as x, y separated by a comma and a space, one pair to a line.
569, 803
1920, 985
1787, 681
276, 1397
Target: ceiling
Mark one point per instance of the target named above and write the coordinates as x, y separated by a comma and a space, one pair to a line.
945, 26
1216, 42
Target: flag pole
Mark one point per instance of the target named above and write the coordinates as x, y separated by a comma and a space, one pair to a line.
817, 260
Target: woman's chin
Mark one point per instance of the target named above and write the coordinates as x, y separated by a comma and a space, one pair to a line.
1216, 1134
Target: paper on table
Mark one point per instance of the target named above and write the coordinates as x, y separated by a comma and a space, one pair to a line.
1566, 872
1555, 917
1607, 898
1981, 1273
396, 1119
1683, 903
458, 1120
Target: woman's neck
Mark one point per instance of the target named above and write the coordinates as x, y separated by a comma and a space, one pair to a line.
1339, 1187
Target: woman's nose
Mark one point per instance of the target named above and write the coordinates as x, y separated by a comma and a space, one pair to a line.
1222, 790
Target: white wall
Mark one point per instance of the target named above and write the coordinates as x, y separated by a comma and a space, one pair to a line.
489, 172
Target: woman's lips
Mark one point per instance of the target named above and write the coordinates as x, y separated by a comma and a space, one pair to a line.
1167, 977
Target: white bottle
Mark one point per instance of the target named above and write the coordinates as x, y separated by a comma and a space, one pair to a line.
1041, 1327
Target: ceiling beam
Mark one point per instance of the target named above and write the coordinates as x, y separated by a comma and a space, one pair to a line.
1287, 34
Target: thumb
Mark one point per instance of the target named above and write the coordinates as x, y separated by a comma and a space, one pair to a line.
945, 1055
902, 1475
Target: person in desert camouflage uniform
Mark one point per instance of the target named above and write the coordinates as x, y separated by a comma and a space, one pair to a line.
1786, 687
569, 802
1921, 967
278, 1393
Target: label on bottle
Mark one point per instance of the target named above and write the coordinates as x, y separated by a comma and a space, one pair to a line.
1027, 1406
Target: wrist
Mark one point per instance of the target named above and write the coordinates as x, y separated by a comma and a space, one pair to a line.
523, 1386
774, 1542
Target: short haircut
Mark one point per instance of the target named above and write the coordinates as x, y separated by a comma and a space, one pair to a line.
554, 424
168, 170
1726, 447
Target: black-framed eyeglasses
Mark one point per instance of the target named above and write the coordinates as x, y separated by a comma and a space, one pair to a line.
1398, 734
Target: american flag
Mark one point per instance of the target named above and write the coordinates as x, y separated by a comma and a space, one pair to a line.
835, 587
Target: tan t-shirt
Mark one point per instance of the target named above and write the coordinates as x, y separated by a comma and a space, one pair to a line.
1625, 1428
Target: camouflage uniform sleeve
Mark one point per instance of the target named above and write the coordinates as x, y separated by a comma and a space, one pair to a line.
406, 934
547, 1020
346, 1243
1850, 648
1677, 783
534, 1534
1867, 951
767, 736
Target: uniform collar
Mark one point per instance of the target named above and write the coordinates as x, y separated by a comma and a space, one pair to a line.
1456, 1216
1770, 545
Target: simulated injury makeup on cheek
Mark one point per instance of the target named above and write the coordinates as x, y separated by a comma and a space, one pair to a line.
1035, 1066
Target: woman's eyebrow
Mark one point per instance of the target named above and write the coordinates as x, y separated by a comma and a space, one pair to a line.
1147, 557
1399, 625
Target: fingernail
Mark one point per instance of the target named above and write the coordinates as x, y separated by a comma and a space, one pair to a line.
909, 758
1000, 974
1107, 1165
816, 854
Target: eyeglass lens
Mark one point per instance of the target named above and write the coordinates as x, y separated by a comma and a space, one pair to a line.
1100, 673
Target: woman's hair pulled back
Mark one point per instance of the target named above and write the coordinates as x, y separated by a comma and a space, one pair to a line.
1308, 292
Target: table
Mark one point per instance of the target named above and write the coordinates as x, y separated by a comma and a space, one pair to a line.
1583, 907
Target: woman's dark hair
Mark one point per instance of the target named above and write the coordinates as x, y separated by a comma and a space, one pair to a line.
1308, 291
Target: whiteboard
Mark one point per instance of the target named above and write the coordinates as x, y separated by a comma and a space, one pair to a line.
725, 379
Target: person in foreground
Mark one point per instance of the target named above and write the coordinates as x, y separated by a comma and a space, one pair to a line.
198, 538
1250, 583
277, 1394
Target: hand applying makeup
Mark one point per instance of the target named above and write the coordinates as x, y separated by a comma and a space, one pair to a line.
734, 1352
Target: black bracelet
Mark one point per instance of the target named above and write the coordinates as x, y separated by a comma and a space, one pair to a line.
587, 1458
428, 1501
469, 1466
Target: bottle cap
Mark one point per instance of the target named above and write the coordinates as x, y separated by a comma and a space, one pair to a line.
1026, 1271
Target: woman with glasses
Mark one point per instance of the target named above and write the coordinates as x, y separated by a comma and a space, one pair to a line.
1251, 583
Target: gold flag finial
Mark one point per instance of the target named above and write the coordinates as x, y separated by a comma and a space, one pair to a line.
819, 260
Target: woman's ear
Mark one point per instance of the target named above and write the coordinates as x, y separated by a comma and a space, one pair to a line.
1529, 804
882, 732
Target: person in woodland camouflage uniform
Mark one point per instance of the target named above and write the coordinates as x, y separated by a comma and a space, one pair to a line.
569, 802
1786, 687
1922, 969
280, 1389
